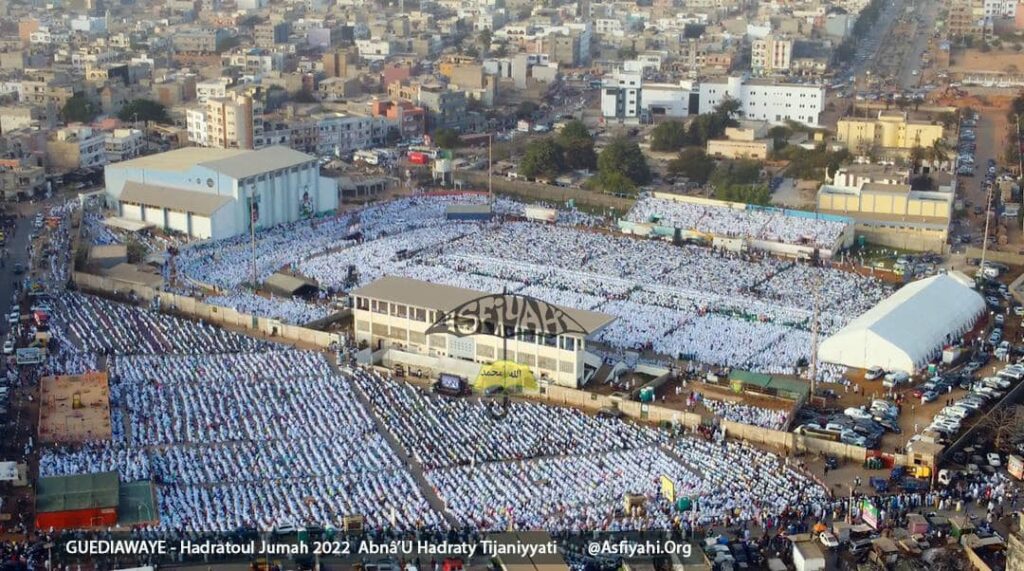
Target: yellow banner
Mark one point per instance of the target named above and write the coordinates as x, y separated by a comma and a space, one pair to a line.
506, 374
668, 489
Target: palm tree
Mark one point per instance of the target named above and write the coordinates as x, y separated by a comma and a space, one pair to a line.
917, 155
939, 151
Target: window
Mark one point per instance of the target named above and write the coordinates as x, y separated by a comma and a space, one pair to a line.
551, 340
567, 343
527, 336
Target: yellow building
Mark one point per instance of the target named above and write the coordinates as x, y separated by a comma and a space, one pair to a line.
890, 213
892, 129
747, 141
449, 329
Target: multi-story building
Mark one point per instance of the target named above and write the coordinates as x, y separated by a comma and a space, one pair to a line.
200, 40
376, 49
232, 122
124, 144
44, 87
19, 179
966, 18
339, 88
219, 193
446, 108
271, 34
766, 100
254, 61
195, 122
73, 148
410, 119
340, 63
771, 54
339, 133
886, 210
626, 97
398, 313
890, 130
212, 88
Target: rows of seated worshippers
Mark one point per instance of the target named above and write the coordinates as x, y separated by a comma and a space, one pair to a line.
377, 258
100, 326
265, 439
562, 494
227, 263
743, 483
746, 414
293, 311
752, 223
440, 432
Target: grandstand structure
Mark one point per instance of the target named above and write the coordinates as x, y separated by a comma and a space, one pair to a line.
736, 226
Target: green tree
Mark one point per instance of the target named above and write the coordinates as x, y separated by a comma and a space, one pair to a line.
78, 109
144, 110
917, 156
543, 158
780, 135
574, 129
617, 183
484, 39
628, 52
749, 194
447, 139
625, 157
694, 164
526, 109
577, 146
669, 136
947, 119
737, 173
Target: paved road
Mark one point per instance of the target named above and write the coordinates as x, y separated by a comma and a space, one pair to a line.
17, 246
922, 34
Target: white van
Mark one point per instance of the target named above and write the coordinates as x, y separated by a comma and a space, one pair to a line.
893, 380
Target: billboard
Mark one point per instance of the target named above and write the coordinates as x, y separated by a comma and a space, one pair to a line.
540, 214
506, 374
869, 513
668, 489
30, 356
1015, 466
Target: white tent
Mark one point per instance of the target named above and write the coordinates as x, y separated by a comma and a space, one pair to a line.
905, 330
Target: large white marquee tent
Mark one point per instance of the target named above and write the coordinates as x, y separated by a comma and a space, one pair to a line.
907, 329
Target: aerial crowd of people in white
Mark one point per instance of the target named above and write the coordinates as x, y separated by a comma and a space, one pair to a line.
237, 439
768, 224
239, 432
739, 310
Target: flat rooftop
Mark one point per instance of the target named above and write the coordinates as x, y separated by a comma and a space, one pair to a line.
482, 305
179, 159
74, 408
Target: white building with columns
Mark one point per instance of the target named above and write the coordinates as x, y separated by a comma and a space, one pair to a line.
207, 193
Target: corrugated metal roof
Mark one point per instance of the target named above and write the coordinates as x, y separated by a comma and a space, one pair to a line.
445, 298
256, 162
285, 283
201, 203
78, 492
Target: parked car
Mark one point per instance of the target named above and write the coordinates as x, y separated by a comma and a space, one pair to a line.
874, 373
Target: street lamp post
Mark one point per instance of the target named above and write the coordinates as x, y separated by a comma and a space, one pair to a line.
253, 217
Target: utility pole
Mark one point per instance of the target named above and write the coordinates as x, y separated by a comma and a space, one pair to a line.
490, 166
253, 217
988, 218
815, 330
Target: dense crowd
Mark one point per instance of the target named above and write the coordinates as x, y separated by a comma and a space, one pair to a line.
442, 432
746, 414
293, 311
749, 223
739, 310
101, 326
